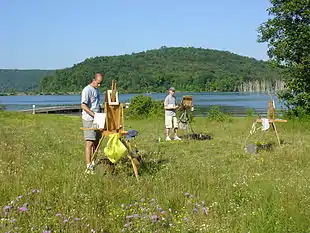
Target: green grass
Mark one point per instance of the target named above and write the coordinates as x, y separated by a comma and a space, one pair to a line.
266, 192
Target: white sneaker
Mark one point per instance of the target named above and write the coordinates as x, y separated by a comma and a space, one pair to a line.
90, 169
168, 139
177, 138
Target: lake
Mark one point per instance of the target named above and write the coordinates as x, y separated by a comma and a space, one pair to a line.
235, 103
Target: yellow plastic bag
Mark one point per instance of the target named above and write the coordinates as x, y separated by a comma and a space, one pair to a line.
115, 149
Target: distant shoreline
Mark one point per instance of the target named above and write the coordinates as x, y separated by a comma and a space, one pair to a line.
123, 92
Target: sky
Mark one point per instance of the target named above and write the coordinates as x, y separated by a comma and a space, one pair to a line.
42, 34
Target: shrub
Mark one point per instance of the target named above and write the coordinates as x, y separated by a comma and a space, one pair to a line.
142, 106
215, 114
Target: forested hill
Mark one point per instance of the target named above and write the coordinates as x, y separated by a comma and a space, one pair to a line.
12, 80
187, 69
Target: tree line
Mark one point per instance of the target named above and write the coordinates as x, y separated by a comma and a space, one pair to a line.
187, 69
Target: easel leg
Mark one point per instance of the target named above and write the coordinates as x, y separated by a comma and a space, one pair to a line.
97, 148
134, 161
275, 130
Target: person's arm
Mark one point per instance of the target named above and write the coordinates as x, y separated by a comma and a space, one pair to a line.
84, 101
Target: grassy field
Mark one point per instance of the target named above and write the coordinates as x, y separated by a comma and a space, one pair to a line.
186, 186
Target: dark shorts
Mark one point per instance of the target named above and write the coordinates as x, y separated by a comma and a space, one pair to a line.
90, 135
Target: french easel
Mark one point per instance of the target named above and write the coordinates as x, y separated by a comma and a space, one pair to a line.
186, 105
115, 124
271, 119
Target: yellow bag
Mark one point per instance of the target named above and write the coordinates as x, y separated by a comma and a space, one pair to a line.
115, 149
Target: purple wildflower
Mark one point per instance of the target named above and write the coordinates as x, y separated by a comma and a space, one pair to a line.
19, 197
126, 225
13, 220
7, 208
66, 220
136, 215
58, 214
195, 210
46, 231
129, 216
35, 191
77, 219
23, 209
154, 218
185, 219
197, 205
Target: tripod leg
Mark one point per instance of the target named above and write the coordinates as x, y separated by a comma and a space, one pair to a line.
97, 148
134, 161
275, 130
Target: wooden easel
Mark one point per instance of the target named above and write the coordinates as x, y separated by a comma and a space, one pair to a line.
115, 124
186, 105
271, 119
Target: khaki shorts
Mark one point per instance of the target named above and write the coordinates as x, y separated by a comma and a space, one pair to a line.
171, 122
90, 135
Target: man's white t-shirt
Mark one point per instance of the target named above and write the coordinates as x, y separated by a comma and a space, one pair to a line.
90, 97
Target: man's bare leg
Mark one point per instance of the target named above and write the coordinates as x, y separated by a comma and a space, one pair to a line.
88, 151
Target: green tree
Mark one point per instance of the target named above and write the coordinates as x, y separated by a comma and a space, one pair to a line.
288, 36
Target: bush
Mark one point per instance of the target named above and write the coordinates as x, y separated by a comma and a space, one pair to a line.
142, 106
215, 114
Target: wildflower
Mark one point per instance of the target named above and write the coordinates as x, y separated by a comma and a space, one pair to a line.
205, 210
185, 219
129, 216
195, 210
92, 231
203, 203
186, 194
126, 225
136, 215
35, 191
58, 214
19, 197
197, 205
66, 220
123, 206
13, 220
154, 218
142, 200
46, 231
7, 208
170, 224
23, 209
77, 219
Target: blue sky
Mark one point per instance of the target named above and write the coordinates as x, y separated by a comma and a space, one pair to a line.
56, 34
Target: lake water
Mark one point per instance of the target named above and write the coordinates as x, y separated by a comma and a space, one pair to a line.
234, 103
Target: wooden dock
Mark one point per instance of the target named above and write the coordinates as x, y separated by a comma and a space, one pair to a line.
72, 109
64, 109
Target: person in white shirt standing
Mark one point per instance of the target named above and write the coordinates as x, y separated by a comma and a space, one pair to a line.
171, 121
90, 99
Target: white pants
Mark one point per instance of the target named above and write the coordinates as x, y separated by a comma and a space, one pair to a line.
171, 122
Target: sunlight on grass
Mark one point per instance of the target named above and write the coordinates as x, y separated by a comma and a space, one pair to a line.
186, 186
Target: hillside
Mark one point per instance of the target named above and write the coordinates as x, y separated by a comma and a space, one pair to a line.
188, 69
21, 80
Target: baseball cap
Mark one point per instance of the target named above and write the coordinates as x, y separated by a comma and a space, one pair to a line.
171, 89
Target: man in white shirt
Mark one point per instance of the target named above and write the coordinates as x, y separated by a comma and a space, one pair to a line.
171, 121
90, 99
